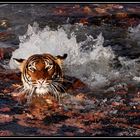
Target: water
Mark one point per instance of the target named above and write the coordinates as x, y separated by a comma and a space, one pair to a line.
105, 57
91, 56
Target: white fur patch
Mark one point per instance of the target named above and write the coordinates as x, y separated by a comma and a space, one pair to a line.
41, 90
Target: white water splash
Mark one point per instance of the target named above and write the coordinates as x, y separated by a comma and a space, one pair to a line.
37, 41
134, 33
92, 67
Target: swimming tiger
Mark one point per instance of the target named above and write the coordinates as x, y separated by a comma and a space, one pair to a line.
42, 74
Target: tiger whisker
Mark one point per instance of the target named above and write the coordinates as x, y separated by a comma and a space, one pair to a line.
27, 91
61, 80
19, 89
60, 86
30, 93
56, 86
57, 94
53, 91
64, 80
63, 88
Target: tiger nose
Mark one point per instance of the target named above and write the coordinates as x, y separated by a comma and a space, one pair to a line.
40, 81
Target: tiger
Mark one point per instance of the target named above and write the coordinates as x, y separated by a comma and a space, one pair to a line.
42, 74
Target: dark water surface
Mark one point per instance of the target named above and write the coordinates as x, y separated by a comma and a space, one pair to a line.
111, 113
111, 20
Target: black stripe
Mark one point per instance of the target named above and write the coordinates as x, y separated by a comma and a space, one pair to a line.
24, 74
34, 57
58, 70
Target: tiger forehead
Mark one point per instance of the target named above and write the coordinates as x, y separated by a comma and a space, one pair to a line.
39, 61
40, 57
39, 64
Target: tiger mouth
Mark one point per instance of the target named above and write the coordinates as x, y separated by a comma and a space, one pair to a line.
53, 89
37, 88
42, 90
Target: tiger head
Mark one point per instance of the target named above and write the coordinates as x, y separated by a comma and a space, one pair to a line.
41, 73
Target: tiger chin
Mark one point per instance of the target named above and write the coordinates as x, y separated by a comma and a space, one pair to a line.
42, 74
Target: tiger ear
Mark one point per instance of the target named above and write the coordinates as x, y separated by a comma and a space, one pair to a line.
60, 59
20, 62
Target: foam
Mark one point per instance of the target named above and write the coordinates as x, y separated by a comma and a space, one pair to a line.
93, 67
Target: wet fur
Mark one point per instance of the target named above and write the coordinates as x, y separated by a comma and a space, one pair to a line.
42, 74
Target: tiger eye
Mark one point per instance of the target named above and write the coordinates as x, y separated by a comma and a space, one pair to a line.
31, 69
49, 67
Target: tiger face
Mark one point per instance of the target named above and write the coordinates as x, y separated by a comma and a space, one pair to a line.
41, 73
